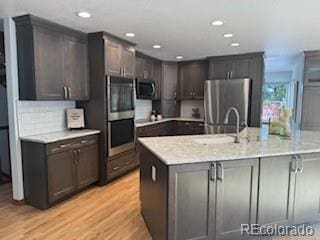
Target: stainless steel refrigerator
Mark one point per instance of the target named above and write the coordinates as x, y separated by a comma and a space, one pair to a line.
219, 96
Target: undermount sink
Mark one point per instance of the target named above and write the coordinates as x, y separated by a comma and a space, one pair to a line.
215, 140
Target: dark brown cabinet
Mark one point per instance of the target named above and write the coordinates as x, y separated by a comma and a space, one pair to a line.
191, 79
52, 61
61, 175
170, 107
52, 172
119, 58
289, 190
306, 199
87, 165
312, 69
212, 200
276, 193
171, 128
249, 65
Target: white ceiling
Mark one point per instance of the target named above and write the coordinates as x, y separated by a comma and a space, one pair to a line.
182, 26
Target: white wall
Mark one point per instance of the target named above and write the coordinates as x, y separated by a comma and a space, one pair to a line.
187, 106
37, 117
143, 109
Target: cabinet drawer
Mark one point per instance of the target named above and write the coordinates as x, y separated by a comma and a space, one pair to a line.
121, 164
72, 143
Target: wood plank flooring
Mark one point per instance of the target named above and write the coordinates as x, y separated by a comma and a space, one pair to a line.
109, 212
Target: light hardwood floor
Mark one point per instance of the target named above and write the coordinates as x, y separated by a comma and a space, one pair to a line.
109, 212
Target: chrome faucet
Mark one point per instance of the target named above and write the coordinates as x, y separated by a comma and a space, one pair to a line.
226, 121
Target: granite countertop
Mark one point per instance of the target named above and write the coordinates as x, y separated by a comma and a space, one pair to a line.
145, 122
189, 149
59, 136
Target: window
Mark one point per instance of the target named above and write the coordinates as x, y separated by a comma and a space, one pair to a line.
275, 96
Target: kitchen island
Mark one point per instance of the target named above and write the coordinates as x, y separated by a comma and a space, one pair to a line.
206, 186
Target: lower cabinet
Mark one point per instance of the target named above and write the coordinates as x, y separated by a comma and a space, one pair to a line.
307, 189
52, 172
171, 128
289, 190
61, 175
211, 201
120, 164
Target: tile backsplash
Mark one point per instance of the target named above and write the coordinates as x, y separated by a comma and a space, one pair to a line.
37, 117
143, 109
187, 105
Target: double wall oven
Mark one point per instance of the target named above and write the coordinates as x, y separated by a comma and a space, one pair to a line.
121, 106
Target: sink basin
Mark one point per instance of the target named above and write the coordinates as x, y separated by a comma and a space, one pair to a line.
215, 140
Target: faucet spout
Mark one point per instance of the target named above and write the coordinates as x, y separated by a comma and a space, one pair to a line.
226, 121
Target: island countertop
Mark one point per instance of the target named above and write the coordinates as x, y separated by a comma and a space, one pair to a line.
191, 149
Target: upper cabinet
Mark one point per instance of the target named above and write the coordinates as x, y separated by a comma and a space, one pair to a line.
242, 66
119, 58
191, 79
52, 61
312, 69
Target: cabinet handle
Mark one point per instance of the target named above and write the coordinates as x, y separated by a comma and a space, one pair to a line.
84, 141
191, 93
69, 92
231, 73
295, 164
74, 157
124, 71
300, 169
128, 163
220, 172
63, 145
227, 75
65, 92
115, 168
213, 172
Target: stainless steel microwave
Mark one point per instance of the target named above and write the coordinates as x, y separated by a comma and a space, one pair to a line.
146, 89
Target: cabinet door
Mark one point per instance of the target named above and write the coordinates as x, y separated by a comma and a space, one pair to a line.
198, 128
148, 70
61, 175
307, 194
219, 69
240, 68
128, 61
186, 77
191, 207
200, 74
139, 67
76, 67
157, 78
49, 65
170, 80
184, 128
276, 191
170, 108
236, 200
312, 71
113, 58
87, 165
311, 109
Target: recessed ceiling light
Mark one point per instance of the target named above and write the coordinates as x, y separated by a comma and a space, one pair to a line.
228, 35
83, 14
179, 57
157, 46
217, 23
129, 34
235, 44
